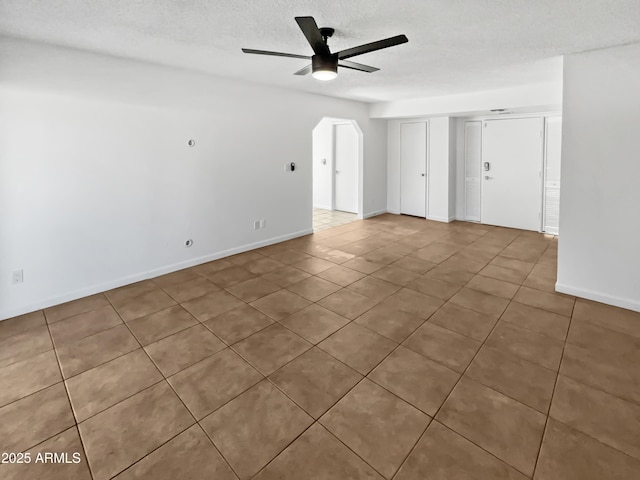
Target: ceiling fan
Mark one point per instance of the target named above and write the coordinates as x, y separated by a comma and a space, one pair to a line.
324, 64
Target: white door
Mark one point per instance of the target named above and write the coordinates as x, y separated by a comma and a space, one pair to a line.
346, 167
473, 170
553, 141
512, 173
413, 169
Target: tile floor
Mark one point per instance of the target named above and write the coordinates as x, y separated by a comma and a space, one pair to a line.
324, 219
392, 347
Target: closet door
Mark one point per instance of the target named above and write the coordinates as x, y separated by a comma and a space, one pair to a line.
413, 169
473, 173
553, 134
512, 160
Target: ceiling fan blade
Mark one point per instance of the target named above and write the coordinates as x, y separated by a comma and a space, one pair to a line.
357, 66
304, 71
276, 54
312, 32
373, 46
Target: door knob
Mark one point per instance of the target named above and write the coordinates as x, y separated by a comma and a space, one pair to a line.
488, 178
337, 171
422, 174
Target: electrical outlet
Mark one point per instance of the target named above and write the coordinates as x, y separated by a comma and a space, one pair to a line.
263, 223
256, 225
17, 277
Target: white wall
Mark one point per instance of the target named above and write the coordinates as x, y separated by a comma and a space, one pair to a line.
323, 172
440, 170
598, 256
98, 187
527, 98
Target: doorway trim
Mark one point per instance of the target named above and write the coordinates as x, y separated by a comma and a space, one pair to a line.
360, 163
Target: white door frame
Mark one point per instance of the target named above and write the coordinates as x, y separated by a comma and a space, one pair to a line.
360, 174
427, 176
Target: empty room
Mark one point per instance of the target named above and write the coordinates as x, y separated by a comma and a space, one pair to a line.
319, 240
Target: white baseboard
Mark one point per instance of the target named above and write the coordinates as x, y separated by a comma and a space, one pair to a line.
122, 281
628, 303
374, 214
442, 219
391, 210
323, 207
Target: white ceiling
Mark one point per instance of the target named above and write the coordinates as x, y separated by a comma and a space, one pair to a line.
454, 46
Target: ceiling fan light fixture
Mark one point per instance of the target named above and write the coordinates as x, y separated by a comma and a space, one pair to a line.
324, 68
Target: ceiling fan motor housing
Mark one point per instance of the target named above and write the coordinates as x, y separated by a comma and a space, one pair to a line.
325, 63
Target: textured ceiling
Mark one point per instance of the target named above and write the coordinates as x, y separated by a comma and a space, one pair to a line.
454, 46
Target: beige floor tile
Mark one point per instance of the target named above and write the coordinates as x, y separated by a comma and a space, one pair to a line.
506, 428
84, 324
450, 274
619, 319
131, 308
228, 277
314, 323
519, 379
612, 373
413, 302
24, 345
318, 453
263, 265
290, 256
280, 304
414, 264
464, 321
417, 380
253, 289
239, 323
270, 421
101, 387
396, 275
363, 265
436, 252
315, 381
358, 347
444, 346
480, 302
190, 455
69, 309
174, 278
66, 443
35, 418
527, 344
551, 302
504, 274
209, 384
314, 288
493, 286
118, 295
389, 322
89, 352
314, 265
126, 432
434, 287
159, 325
363, 418
348, 303
570, 455
522, 267
14, 326
611, 420
538, 320
271, 348
373, 287
286, 276
190, 289
178, 351
28, 376
442, 454
245, 257
210, 268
